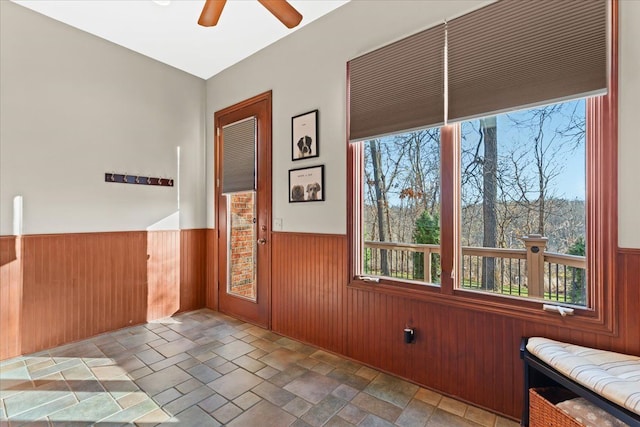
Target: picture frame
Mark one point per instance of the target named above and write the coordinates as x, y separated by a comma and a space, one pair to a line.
306, 184
304, 136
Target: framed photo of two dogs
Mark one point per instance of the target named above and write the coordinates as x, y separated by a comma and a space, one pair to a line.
305, 184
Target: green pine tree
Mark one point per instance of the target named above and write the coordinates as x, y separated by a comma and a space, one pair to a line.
427, 231
577, 293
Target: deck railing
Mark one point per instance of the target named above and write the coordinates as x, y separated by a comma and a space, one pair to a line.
523, 272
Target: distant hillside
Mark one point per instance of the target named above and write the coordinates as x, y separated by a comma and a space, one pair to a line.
564, 223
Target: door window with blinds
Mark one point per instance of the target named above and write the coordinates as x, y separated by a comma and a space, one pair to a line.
517, 85
239, 188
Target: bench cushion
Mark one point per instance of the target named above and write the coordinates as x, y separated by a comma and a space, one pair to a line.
614, 376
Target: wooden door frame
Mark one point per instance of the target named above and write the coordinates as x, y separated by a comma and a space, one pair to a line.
263, 198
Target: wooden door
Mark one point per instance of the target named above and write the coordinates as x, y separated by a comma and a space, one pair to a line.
244, 219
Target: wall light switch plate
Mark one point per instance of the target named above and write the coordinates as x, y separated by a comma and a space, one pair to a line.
278, 223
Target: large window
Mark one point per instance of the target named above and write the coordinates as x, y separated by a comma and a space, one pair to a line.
507, 207
522, 205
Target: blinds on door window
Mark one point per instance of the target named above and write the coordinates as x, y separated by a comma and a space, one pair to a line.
239, 156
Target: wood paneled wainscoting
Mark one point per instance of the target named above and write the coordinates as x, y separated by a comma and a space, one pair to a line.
61, 288
466, 353
10, 295
308, 295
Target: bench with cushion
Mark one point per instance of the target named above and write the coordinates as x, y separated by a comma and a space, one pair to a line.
609, 380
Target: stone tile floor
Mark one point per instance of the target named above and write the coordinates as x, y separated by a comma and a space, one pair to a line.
204, 368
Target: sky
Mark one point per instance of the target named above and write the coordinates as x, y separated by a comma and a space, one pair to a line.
570, 183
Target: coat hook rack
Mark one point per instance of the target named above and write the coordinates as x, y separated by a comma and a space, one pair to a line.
137, 179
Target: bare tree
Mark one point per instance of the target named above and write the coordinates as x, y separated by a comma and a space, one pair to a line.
545, 152
480, 185
489, 130
382, 205
527, 167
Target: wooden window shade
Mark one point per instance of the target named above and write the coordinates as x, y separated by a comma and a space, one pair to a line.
514, 54
398, 87
239, 156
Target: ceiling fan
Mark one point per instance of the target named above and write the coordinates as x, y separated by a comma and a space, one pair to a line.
281, 9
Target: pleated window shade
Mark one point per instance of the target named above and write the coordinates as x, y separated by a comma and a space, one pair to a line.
398, 87
239, 156
514, 54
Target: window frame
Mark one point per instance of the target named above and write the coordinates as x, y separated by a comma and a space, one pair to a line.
601, 211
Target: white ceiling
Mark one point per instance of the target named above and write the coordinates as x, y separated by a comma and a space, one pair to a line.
170, 33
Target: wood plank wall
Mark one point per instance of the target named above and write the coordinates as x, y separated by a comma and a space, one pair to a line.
61, 288
628, 275
10, 296
459, 352
211, 298
193, 269
176, 272
308, 291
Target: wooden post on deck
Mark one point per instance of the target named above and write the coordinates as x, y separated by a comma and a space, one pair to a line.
535, 245
427, 264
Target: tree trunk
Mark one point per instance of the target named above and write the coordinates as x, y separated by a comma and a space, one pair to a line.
381, 202
489, 195
541, 200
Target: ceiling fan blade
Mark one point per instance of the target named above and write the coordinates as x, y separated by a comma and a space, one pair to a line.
211, 12
282, 10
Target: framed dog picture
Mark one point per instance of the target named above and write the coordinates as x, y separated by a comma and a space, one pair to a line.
304, 136
306, 184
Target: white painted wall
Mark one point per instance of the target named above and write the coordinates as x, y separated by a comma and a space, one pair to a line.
307, 70
629, 132
73, 107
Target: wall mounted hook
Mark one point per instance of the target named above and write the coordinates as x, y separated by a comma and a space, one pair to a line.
138, 179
